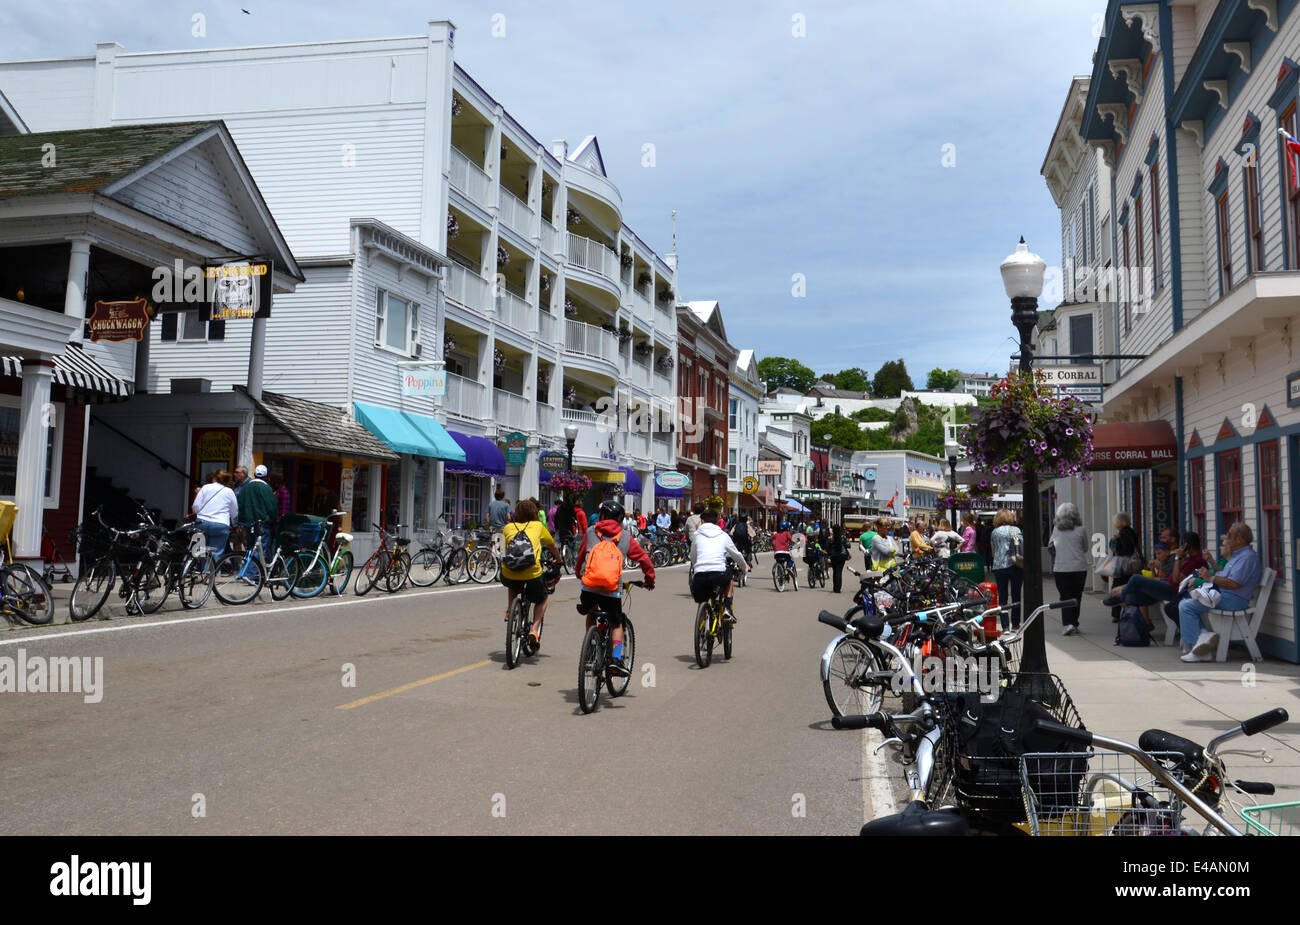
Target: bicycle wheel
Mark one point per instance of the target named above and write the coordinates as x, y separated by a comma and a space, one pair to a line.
399, 569
340, 572
310, 577
372, 571
238, 578
27, 594
483, 566
515, 631
426, 567
279, 579
821, 577
617, 684
591, 668
778, 577
726, 640
855, 682
91, 590
195, 585
457, 569
703, 638
659, 557
151, 588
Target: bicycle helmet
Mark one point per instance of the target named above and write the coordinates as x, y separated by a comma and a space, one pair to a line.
611, 510
785, 525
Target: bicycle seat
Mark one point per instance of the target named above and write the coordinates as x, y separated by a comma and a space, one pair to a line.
916, 819
1157, 740
403, 541
870, 625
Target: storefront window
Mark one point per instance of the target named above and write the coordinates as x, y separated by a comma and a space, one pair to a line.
1229, 467
421, 476
471, 501
1196, 476
9, 429
1270, 490
361, 500
393, 497
449, 501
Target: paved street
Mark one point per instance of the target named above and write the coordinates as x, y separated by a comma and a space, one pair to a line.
248, 709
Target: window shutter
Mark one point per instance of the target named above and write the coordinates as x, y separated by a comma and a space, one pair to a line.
216, 330
169, 326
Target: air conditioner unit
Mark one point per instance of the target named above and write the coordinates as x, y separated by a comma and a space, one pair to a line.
417, 349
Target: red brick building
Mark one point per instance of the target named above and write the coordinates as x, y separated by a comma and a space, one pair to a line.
704, 361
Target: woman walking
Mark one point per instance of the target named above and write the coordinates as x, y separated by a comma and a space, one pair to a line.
968, 533
838, 551
1069, 550
1008, 575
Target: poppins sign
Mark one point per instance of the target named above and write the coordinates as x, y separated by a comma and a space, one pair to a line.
424, 379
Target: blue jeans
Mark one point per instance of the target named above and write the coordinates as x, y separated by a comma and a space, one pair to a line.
1144, 591
1190, 610
1009, 582
215, 535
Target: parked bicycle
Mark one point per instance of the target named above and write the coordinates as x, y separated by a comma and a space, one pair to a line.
315, 565
24, 596
389, 565
126, 559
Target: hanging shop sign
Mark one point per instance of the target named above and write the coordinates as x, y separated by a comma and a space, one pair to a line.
618, 476
422, 379
750, 485
119, 321
552, 462
347, 478
672, 480
769, 467
239, 290
516, 449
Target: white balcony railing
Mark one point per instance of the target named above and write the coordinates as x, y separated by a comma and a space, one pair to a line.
589, 340
515, 214
549, 235
640, 373
594, 256
662, 449
663, 384
469, 289
470, 179
515, 312
511, 410
638, 444
666, 308
578, 415
546, 420
464, 396
548, 331
640, 303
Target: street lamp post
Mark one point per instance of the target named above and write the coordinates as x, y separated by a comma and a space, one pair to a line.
570, 437
1022, 277
953, 450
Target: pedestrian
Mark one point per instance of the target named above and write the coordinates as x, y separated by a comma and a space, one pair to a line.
326, 499
1234, 584
968, 532
498, 511
1068, 547
944, 539
865, 540
283, 499
241, 478
217, 510
1008, 575
258, 510
1126, 553
662, 520
838, 550
883, 548
917, 539
693, 522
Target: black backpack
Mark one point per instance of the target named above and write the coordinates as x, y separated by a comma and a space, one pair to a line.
519, 555
741, 532
1132, 629
564, 518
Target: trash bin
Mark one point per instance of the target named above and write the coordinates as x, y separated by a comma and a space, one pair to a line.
968, 565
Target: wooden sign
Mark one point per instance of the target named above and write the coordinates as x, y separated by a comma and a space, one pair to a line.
119, 321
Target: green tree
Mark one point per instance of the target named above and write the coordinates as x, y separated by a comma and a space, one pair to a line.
781, 372
853, 379
891, 379
843, 432
872, 414
943, 380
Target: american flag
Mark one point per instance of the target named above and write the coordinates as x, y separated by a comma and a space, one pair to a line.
1292, 151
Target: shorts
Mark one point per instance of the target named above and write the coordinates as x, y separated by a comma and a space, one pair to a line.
611, 606
534, 589
784, 557
705, 583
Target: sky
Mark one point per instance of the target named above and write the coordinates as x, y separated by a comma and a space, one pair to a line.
847, 176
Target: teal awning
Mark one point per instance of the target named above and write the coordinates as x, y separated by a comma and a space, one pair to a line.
407, 432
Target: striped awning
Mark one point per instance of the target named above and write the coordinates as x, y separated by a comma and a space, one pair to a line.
77, 370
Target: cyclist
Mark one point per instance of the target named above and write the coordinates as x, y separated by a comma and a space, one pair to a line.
564, 521
530, 581
781, 544
709, 554
601, 573
741, 536
812, 552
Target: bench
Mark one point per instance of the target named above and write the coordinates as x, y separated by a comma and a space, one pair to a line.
1232, 625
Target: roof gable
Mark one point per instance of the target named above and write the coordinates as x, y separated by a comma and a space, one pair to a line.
10, 122
587, 155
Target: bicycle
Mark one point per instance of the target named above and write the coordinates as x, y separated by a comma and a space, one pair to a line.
519, 622
183, 565
25, 596
816, 573
241, 574
483, 559
126, 554
783, 573
392, 566
595, 659
711, 623
317, 568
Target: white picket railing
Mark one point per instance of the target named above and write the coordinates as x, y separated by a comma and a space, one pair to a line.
640, 372
514, 212
578, 415
594, 256
470, 178
548, 332
545, 418
464, 396
549, 234
515, 312
589, 340
640, 303
511, 409
469, 289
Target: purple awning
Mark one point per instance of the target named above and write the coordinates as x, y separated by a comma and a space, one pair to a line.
482, 456
631, 481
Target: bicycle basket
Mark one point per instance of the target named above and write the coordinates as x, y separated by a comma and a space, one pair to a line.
309, 534
1115, 796
1273, 819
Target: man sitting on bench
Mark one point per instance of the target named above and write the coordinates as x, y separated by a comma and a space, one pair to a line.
1236, 584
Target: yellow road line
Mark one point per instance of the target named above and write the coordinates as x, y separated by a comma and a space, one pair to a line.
406, 687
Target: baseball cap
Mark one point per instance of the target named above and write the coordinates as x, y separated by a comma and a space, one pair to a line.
1161, 546
259, 472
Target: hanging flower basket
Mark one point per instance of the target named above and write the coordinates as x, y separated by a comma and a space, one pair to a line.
958, 502
645, 279
570, 310
448, 343
643, 349
498, 359
715, 502
570, 395
455, 106
1028, 429
626, 260
503, 257
624, 335
572, 217
545, 283
664, 364
666, 294
543, 381
546, 189
570, 484
610, 329
453, 226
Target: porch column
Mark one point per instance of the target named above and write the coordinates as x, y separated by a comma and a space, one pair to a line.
256, 358
374, 488
529, 480
74, 296
406, 487
35, 416
142, 365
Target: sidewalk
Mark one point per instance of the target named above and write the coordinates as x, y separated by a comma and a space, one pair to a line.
1120, 692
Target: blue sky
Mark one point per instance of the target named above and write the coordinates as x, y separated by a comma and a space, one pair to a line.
818, 154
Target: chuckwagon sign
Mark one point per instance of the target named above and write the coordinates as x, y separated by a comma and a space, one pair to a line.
119, 321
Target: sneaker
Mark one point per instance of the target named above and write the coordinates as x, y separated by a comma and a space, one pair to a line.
1206, 643
1069, 629
1193, 657
617, 668
1114, 600
1187, 650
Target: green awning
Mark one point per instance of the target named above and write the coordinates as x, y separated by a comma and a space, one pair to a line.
407, 432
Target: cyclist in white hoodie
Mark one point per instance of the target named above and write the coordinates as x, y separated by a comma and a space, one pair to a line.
710, 551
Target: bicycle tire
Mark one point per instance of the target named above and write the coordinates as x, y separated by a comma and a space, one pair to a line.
279, 580
238, 578
341, 573
703, 640
659, 557
457, 569
850, 660
311, 576
514, 631
371, 572
591, 668
821, 577
195, 584
726, 639
399, 569
483, 566
778, 577
91, 590
151, 589
569, 555
427, 567
27, 594
617, 685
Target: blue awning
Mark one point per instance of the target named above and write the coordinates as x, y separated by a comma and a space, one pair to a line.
631, 481
793, 505
482, 456
407, 432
